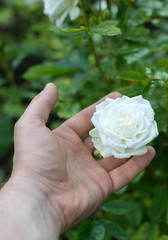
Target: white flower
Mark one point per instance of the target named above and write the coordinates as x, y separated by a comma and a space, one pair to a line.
58, 10
123, 127
102, 5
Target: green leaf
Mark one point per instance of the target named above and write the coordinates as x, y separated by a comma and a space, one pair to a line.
90, 231
68, 109
118, 207
84, 229
78, 82
154, 92
130, 90
40, 71
163, 11
133, 57
97, 233
139, 34
158, 206
6, 14
161, 118
134, 218
107, 28
163, 237
77, 31
114, 230
138, 178
147, 231
133, 76
71, 234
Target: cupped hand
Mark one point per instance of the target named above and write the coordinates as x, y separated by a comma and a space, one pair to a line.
59, 163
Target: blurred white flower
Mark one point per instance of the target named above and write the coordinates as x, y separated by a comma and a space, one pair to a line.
123, 127
58, 10
102, 4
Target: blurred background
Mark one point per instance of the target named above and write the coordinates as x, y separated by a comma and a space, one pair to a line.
133, 62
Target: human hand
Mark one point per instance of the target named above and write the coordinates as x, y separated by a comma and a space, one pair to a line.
59, 166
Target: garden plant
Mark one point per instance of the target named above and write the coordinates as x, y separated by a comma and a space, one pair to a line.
90, 48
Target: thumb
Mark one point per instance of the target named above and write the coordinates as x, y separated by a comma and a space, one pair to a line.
42, 104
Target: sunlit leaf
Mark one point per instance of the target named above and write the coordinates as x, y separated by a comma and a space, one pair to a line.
163, 237
147, 231
107, 28
77, 31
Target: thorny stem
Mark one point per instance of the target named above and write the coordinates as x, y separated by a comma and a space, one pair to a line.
92, 47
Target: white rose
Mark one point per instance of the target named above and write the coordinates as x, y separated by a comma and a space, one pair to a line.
123, 127
58, 10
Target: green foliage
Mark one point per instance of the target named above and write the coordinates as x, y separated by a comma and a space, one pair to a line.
104, 28
163, 237
148, 231
119, 207
113, 229
107, 28
133, 76
42, 71
161, 200
90, 231
123, 48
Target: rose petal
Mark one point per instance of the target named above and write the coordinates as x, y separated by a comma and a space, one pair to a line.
123, 126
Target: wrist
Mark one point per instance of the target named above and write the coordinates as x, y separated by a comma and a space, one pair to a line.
26, 212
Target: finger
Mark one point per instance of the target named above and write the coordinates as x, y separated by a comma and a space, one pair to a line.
81, 122
42, 104
107, 163
88, 143
111, 163
124, 174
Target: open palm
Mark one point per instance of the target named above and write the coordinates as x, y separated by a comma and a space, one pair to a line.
61, 164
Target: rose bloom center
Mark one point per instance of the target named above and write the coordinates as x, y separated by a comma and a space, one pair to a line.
128, 124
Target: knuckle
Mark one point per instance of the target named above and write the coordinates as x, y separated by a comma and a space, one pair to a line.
34, 121
44, 99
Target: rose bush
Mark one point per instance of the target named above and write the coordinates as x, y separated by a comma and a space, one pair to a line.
58, 10
123, 127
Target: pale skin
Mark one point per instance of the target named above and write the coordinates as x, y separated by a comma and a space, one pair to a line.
56, 182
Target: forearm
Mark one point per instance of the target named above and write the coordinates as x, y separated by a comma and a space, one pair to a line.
25, 214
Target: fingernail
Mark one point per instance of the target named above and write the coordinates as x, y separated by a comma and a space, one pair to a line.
48, 85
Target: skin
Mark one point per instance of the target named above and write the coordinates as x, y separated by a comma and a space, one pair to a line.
56, 182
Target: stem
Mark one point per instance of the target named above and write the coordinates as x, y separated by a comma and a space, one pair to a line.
85, 14
92, 47
109, 7
99, 6
166, 105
